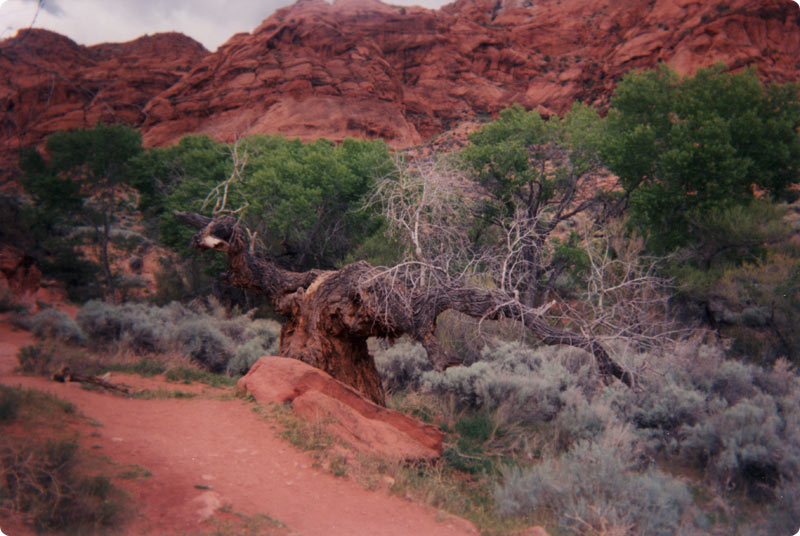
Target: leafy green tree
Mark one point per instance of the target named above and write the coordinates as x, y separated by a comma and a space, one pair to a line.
81, 181
303, 200
688, 148
178, 177
536, 173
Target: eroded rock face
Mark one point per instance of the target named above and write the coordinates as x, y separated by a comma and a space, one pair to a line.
364, 69
20, 276
50, 83
316, 396
360, 68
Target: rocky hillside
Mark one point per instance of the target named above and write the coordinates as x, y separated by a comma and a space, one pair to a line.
49, 83
365, 69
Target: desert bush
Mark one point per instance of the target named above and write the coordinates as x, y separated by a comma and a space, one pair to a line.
663, 407
205, 344
749, 445
9, 303
137, 326
597, 488
44, 478
44, 482
460, 383
733, 381
401, 365
261, 339
35, 359
203, 333
55, 324
784, 516
779, 380
581, 420
527, 383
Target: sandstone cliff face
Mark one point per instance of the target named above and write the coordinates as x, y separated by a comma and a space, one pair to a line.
49, 83
364, 69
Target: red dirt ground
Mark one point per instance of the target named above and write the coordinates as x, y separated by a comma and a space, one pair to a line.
208, 452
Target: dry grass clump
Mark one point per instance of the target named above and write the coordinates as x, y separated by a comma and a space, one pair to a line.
44, 474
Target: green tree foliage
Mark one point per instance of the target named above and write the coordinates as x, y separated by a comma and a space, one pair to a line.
303, 199
307, 196
178, 178
79, 182
534, 170
687, 148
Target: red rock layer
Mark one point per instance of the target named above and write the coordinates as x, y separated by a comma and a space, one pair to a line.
364, 69
49, 83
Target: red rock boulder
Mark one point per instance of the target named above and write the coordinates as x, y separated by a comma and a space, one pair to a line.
20, 277
317, 397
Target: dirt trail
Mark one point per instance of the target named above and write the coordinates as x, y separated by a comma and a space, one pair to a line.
206, 452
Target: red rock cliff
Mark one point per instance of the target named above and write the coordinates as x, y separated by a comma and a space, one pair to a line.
365, 69
362, 68
49, 83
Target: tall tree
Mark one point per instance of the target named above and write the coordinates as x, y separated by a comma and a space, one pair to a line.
688, 148
80, 180
536, 174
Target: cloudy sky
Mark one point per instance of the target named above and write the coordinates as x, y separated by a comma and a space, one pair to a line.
88, 22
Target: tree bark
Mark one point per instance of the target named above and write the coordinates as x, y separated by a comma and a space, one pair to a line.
331, 314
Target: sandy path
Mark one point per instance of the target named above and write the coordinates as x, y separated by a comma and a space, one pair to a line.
224, 445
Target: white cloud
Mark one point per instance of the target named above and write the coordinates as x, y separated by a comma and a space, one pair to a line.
88, 22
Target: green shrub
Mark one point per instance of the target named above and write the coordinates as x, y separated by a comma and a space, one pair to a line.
9, 405
144, 367
44, 482
55, 324
470, 451
188, 375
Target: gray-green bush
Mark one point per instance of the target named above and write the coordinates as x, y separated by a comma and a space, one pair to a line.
749, 445
55, 324
204, 343
401, 365
598, 487
528, 384
208, 337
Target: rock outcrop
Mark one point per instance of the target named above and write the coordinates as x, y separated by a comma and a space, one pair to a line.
20, 277
365, 69
361, 68
50, 83
317, 397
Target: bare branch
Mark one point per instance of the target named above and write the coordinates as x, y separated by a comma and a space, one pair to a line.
219, 194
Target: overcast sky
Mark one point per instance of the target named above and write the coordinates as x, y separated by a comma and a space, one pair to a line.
89, 22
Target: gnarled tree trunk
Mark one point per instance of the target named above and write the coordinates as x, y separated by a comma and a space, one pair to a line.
331, 314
